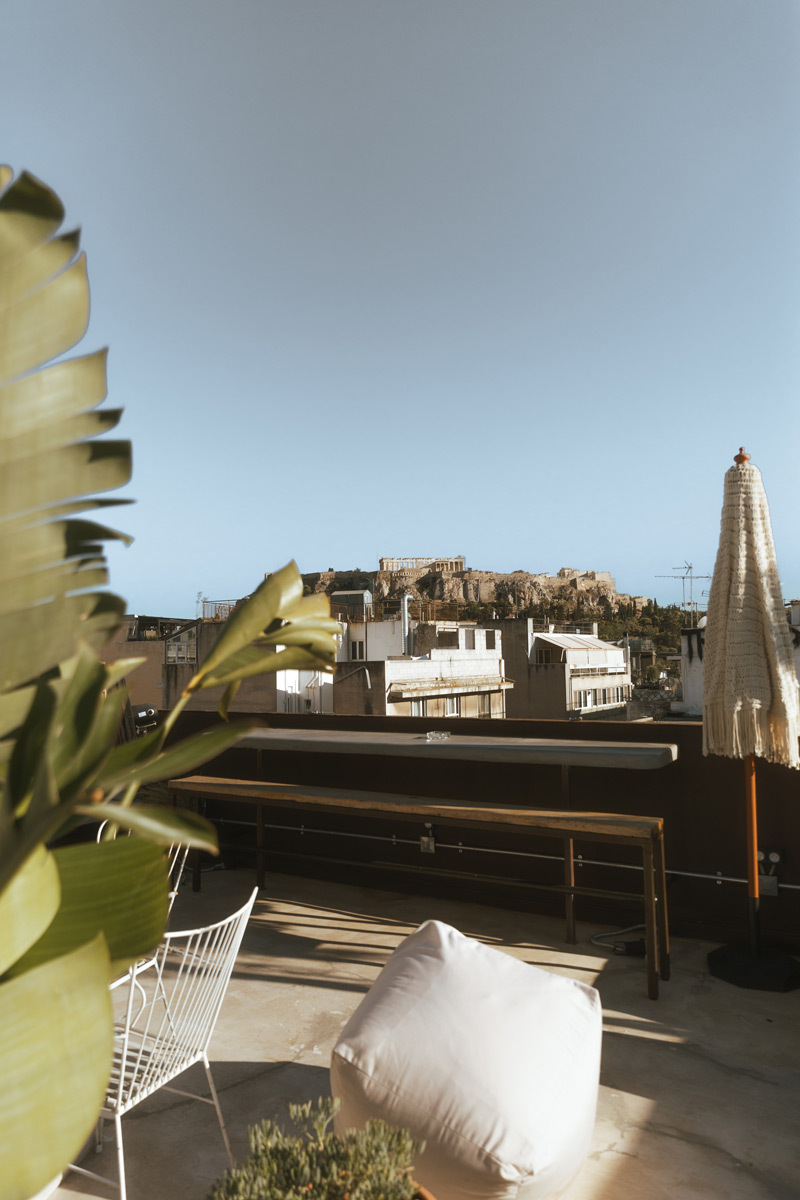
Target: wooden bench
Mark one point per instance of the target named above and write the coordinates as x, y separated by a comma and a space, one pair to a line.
646, 833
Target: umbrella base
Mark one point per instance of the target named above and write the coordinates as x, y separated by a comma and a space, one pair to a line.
767, 971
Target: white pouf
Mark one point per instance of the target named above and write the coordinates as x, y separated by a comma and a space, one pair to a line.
493, 1063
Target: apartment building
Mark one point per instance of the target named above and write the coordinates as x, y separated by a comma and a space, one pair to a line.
565, 674
401, 667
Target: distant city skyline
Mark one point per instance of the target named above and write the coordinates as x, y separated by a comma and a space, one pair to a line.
515, 280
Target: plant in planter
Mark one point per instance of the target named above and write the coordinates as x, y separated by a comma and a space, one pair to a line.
373, 1163
73, 918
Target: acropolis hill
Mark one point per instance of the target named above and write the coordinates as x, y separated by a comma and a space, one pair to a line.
450, 580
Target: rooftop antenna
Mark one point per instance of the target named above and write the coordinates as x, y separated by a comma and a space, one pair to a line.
197, 604
687, 572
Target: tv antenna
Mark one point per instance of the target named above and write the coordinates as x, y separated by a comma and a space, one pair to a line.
687, 572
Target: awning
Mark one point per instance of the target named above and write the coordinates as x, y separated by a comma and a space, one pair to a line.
414, 689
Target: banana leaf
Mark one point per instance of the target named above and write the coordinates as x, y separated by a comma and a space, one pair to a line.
118, 888
28, 906
56, 1043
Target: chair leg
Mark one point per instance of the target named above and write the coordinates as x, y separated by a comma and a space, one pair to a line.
215, 1100
120, 1158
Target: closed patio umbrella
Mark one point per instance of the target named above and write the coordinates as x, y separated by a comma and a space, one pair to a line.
750, 691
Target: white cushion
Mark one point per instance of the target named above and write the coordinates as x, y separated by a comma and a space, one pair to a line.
493, 1063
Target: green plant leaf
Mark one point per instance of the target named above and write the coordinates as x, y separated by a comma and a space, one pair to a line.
56, 1044
36, 640
178, 759
118, 888
87, 721
123, 760
53, 393
34, 270
14, 708
305, 630
272, 600
251, 661
27, 446
314, 606
28, 906
45, 323
158, 824
30, 547
228, 698
38, 820
30, 213
120, 669
65, 472
30, 747
58, 581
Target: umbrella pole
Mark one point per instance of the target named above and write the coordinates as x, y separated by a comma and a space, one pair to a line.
752, 851
746, 964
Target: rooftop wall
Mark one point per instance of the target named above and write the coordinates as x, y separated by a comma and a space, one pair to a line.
701, 801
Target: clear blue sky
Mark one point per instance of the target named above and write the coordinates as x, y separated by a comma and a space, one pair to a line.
512, 280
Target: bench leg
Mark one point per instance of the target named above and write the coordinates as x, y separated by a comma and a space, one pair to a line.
569, 897
260, 845
194, 854
651, 943
661, 908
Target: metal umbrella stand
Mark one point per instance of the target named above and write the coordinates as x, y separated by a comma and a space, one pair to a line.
750, 692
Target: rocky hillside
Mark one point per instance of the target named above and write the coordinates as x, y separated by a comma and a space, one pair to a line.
518, 591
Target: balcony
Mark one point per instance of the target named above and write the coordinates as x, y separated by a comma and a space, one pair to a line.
698, 1089
700, 800
698, 1094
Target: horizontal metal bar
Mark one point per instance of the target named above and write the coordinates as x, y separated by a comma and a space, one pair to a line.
558, 888
579, 859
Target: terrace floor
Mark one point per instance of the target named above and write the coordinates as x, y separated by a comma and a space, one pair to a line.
700, 1090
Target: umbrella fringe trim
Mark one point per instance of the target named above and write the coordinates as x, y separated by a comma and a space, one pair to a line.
750, 730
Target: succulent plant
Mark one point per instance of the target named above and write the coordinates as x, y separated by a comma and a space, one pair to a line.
373, 1163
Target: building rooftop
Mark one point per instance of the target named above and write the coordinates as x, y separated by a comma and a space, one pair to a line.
699, 1090
574, 641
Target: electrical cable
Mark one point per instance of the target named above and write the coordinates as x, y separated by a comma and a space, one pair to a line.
635, 946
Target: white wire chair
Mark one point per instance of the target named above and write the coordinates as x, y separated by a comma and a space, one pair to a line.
155, 1044
176, 857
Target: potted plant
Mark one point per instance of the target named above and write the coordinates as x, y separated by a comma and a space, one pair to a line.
373, 1163
73, 918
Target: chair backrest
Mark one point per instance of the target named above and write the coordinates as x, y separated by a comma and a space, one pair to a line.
185, 989
177, 861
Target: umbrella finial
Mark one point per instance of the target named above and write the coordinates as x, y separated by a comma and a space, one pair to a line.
741, 458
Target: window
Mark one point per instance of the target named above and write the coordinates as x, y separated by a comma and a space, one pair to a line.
447, 639
490, 639
419, 708
469, 639
484, 704
356, 650
182, 650
452, 706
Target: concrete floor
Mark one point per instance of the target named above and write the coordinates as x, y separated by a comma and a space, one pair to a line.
700, 1090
